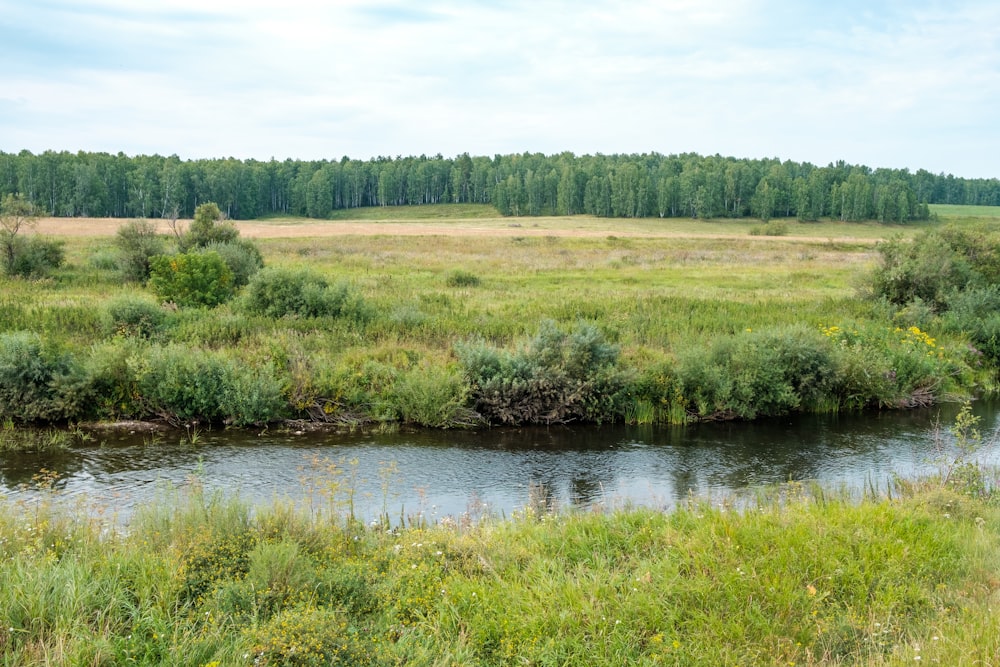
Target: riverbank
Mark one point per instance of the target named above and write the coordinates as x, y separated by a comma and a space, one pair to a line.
801, 576
460, 323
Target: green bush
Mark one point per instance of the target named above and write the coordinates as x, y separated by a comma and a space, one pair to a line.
135, 316
137, 243
976, 313
241, 256
771, 228
31, 256
278, 293
207, 228
559, 377
180, 384
760, 374
37, 382
112, 371
460, 278
432, 396
895, 367
191, 279
936, 264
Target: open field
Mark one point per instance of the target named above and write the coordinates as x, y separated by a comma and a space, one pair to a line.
676, 303
958, 211
469, 220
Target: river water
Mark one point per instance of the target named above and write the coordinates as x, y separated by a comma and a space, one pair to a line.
434, 474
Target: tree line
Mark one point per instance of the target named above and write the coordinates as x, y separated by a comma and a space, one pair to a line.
528, 184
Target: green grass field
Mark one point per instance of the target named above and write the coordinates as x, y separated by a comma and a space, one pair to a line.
957, 211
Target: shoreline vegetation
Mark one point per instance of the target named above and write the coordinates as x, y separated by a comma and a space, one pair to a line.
592, 320
792, 575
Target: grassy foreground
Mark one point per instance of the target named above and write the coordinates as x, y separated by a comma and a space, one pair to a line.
794, 577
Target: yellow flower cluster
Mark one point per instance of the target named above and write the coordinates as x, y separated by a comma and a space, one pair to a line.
915, 335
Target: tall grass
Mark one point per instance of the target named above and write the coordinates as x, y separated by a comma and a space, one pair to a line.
798, 576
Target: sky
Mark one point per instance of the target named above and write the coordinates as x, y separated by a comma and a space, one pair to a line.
904, 84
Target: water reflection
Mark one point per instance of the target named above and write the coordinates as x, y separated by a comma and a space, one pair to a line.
450, 473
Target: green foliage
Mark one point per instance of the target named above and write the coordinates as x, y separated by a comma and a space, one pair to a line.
241, 256
112, 370
38, 382
802, 576
461, 278
432, 396
31, 256
135, 316
278, 292
137, 243
308, 636
936, 264
760, 374
771, 228
976, 313
180, 385
207, 228
192, 279
559, 377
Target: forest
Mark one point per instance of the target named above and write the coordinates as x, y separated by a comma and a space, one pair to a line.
530, 184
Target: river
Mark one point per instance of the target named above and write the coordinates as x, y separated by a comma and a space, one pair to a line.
434, 474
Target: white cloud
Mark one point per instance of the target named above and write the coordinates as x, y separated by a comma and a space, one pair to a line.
887, 84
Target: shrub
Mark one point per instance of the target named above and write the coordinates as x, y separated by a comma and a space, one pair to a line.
559, 377
179, 384
32, 256
191, 279
432, 396
38, 383
241, 256
896, 367
760, 374
288, 293
207, 228
137, 243
460, 278
112, 371
135, 316
976, 313
771, 228
937, 264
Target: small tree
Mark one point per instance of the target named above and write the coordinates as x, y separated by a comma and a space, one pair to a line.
16, 213
207, 227
137, 243
191, 279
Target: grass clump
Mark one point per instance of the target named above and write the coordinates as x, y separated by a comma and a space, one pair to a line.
770, 228
461, 278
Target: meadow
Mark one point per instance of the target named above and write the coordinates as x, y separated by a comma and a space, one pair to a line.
452, 316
